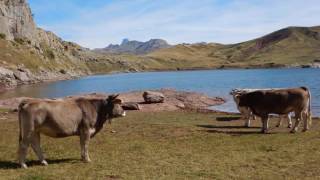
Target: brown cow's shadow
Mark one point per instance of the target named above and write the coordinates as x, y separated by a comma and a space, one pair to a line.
228, 118
232, 130
226, 127
15, 165
235, 133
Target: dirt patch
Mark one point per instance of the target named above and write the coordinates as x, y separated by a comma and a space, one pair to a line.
174, 100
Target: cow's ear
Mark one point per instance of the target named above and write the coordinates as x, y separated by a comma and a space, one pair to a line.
117, 101
113, 96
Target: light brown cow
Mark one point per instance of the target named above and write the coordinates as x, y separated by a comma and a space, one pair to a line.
82, 117
280, 101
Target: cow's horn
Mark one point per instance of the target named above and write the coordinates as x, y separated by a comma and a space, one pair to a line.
114, 96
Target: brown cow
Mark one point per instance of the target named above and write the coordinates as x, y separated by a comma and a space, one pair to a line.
247, 114
279, 101
82, 117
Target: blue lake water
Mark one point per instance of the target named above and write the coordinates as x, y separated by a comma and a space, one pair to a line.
211, 82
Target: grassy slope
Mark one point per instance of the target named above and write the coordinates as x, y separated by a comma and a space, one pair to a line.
289, 46
172, 145
13, 53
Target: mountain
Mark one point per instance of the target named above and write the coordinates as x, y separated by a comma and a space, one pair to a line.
29, 54
292, 46
135, 47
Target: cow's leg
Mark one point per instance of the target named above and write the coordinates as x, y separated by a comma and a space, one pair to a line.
264, 120
280, 121
289, 121
23, 150
306, 122
248, 121
35, 144
254, 117
296, 124
84, 143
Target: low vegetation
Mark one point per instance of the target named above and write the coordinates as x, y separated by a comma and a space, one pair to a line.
2, 36
171, 145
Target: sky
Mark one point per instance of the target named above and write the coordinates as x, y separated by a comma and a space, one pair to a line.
97, 23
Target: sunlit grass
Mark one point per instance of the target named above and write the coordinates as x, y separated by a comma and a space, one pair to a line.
172, 145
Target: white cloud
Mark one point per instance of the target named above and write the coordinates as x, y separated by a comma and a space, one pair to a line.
180, 21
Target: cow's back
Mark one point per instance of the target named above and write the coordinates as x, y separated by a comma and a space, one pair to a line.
280, 101
56, 118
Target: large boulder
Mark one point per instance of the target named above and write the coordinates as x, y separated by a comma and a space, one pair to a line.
130, 106
21, 75
153, 97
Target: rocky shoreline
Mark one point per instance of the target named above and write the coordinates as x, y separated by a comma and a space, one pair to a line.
10, 79
173, 101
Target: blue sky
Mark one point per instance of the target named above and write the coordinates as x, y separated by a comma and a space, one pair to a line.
97, 23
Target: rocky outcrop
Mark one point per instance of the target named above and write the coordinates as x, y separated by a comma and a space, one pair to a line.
153, 97
135, 47
42, 54
16, 20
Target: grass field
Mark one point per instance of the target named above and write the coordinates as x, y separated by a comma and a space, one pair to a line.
171, 145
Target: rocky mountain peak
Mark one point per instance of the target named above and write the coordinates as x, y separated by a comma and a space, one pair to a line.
124, 41
135, 47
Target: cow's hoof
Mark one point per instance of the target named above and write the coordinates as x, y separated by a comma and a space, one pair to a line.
305, 130
44, 163
290, 126
293, 131
86, 160
24, 166
265, 131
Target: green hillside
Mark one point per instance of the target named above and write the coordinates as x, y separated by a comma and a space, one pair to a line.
293, 46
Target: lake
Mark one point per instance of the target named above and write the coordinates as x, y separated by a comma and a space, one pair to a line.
211, 82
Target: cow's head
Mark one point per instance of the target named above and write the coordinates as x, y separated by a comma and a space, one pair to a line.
243, 100
114, 107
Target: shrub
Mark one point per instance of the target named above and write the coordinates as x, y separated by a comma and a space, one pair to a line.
49, 53
62, 71
19, 40
2, 36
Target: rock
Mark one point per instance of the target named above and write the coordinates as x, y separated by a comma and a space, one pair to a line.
130, 106
6, 72
306, 66
315, 65
153, 97
22, 76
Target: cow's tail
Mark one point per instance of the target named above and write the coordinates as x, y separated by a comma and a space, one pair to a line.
21, 108
309, 114
309, 109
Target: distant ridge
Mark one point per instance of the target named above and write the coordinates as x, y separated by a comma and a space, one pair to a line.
135, 47
287, 47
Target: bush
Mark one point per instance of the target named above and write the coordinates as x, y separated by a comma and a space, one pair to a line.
49, 54
62, 71
19, 40
2, 36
